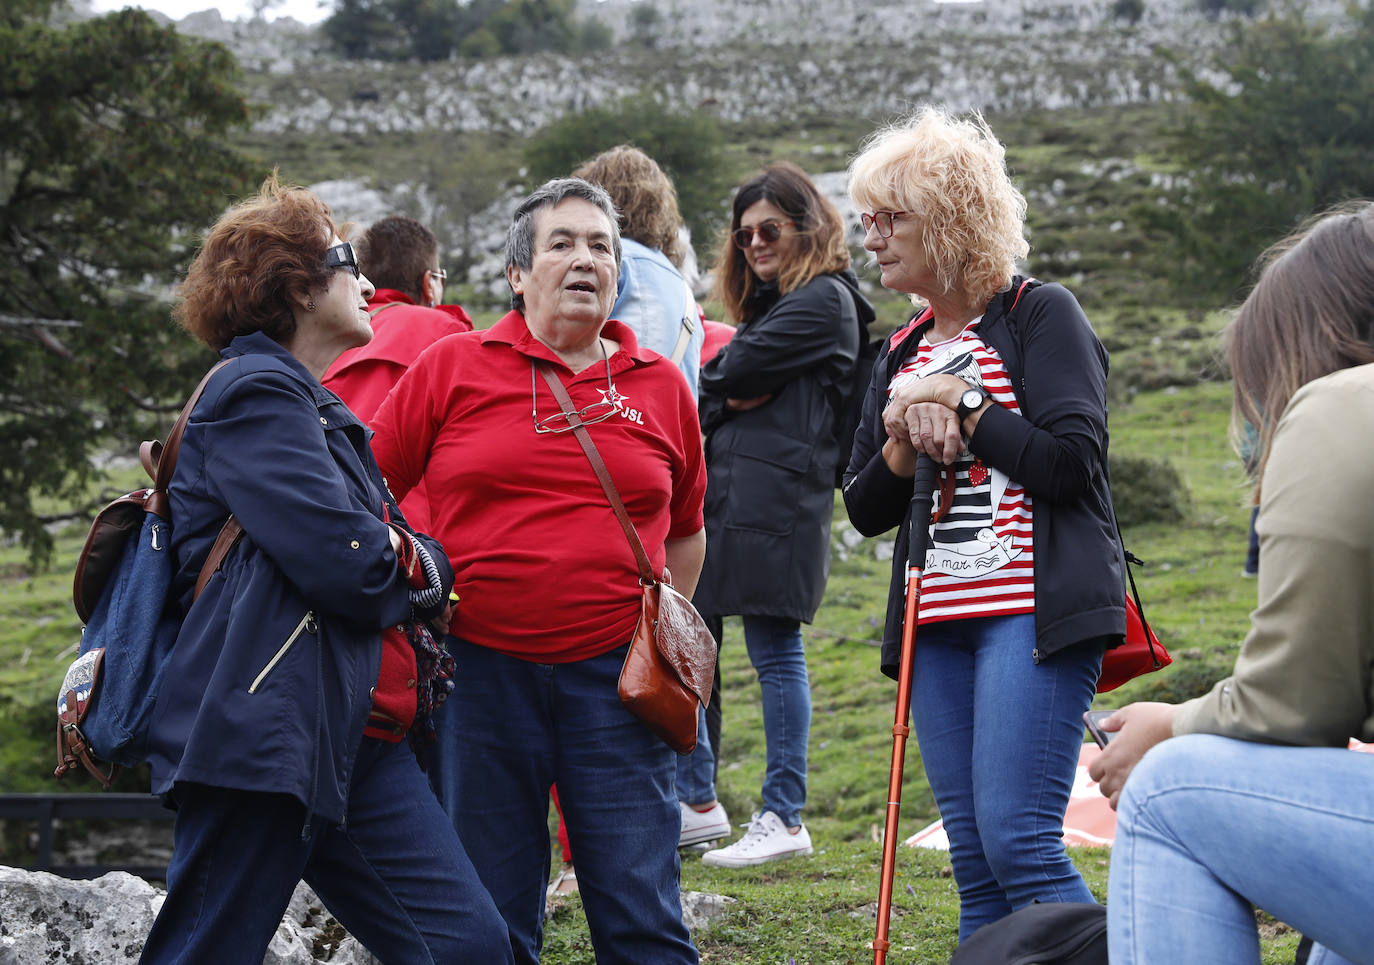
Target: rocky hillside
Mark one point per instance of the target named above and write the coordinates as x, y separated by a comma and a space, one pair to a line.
774, 72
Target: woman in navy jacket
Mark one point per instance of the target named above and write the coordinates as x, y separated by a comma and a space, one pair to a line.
1003, 384
278, 737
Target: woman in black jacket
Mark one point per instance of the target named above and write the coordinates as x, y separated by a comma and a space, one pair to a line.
1002, 382
769, 404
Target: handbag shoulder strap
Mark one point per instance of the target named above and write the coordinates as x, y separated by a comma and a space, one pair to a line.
603, 475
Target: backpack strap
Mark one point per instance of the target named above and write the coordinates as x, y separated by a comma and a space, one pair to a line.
1027, 284
159, 461
683, 338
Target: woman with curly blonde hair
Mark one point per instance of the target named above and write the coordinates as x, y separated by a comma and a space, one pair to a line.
1000, 381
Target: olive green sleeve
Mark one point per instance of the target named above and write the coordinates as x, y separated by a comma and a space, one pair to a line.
1303, 676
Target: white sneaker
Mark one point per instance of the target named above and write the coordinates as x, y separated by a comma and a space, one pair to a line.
766, 840
699, 826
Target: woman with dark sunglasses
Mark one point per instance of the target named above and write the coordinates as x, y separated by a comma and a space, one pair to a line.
280, 737
769, 403
1003, 384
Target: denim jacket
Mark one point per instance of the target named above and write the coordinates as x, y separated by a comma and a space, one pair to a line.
652, 300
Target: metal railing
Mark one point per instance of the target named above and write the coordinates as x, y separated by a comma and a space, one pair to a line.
44, 809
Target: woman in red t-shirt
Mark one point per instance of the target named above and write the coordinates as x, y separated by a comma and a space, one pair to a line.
548, 584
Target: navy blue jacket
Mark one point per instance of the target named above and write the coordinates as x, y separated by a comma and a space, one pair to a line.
270, 681
1056, 449
770, 471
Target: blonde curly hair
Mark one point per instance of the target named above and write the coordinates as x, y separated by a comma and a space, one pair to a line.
951, 174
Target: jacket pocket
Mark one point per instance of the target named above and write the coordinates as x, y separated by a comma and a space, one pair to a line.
766, 485
307, 625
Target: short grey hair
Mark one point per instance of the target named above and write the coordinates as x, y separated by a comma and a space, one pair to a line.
520, 235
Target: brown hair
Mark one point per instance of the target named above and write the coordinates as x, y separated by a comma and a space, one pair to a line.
398, 252
820, 237
256, 256
645, 198
1310, 314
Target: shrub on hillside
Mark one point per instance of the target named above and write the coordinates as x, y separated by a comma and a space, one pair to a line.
688, 145
1147, 490
1183, 679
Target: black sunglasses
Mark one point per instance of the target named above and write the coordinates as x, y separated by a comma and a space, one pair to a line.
343, 256
769, 231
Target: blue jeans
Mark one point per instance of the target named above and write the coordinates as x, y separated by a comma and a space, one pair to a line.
513, 728
775, 650
696, 771
999, 738
1210, 826
394, 873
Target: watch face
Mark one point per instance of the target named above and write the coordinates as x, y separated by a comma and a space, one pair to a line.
972, 399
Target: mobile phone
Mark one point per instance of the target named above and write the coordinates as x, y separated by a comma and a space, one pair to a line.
1092, 720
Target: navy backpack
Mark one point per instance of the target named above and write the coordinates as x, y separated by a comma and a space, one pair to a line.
122, 593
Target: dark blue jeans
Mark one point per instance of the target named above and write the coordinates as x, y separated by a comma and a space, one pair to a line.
513, 728
999, 737
393, 874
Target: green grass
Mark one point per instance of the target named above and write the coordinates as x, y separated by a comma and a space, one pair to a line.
1166, 405
818, 909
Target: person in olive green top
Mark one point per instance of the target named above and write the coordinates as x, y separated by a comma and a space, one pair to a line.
1247, 796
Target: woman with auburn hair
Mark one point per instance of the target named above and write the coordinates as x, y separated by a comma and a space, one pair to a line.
770, 402
293, 693
1247, 796
652, 296
1002, 382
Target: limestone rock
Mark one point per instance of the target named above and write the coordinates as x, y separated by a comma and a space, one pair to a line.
700, 908
45, 918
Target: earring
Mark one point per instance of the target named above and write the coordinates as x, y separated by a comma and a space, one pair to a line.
310, 305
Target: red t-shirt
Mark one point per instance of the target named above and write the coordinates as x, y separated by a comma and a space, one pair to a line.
363, 376
717, 334
543, 570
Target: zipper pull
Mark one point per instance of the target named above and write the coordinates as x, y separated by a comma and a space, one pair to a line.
157, 531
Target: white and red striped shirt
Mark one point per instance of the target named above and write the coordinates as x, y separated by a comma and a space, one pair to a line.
979, 562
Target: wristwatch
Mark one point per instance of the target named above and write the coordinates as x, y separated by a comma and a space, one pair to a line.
972, 398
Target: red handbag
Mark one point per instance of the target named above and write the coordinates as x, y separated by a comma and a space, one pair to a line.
1142, 652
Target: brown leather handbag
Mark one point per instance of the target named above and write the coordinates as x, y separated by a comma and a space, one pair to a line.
672, 660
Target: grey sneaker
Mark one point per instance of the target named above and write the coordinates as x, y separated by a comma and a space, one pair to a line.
766, 840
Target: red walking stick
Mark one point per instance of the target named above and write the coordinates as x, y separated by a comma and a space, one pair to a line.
921, 521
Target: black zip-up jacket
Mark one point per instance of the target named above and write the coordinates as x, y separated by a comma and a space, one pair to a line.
1056, 449
770, 470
